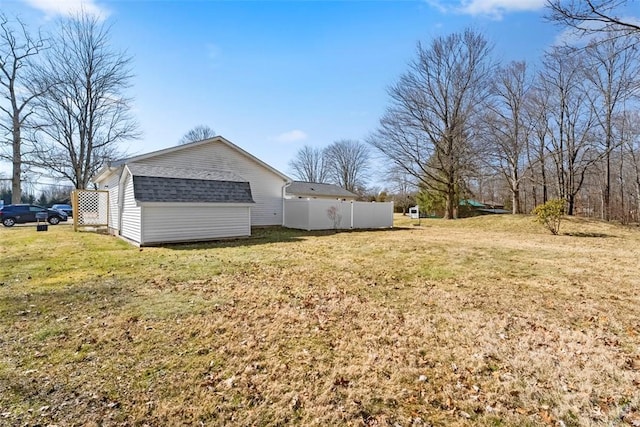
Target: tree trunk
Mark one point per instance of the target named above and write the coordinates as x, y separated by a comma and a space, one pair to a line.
624, 212
607, 188
543, 173
638, 199
571, 202
516, 202
515, 193
449, 212
451, 189
16, 176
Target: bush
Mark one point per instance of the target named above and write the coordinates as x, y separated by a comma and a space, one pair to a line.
550, 214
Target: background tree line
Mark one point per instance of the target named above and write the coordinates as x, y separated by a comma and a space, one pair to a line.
461, 125
345, 163
44, 195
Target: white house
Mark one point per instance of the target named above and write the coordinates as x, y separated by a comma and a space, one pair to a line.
203, 190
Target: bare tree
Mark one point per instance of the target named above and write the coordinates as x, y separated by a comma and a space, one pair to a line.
84, 114
593, 16
507, 131
613, 71
571, 122
198, 133
628, 127
17, 50
538, 116
427, 131
309, 165
348, 164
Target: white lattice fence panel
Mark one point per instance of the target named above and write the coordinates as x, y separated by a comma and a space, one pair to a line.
91, 208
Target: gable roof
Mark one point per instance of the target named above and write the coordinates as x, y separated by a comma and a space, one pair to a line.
117, 164
139, 169
317, 189
218, 139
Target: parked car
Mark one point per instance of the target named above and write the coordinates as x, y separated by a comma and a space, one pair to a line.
64, 208
19, 214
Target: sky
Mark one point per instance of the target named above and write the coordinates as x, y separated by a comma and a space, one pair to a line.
273, 76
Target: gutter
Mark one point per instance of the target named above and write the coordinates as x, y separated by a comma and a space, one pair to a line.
284, 192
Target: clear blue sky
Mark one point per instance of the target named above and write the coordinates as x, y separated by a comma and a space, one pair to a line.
274, 76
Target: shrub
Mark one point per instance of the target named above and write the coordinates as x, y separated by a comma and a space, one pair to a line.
550, 214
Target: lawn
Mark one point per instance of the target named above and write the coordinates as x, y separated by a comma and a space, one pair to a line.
485, 321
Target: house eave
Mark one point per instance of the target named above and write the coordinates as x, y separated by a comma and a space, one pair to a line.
320, 196
192, 204
105, 172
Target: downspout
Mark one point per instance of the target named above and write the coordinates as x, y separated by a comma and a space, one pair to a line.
284, 192
121, 199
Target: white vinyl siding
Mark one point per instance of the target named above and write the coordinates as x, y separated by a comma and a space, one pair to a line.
130, 226
266, 186
163, 224
111, 185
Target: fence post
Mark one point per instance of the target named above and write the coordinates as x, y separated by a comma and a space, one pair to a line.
351, 226
74, 197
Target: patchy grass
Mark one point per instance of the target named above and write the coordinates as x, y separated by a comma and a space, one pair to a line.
485, 321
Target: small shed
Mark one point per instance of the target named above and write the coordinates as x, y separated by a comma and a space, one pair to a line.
163, 204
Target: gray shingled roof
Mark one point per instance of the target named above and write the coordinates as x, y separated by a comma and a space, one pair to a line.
316, 189
167, 184
160, 189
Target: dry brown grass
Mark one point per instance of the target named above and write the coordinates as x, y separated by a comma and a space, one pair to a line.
485, 321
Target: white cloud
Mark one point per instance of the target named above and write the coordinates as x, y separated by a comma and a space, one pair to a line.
69, 7
496, 8
295, 135
437, 4
571, 37
492, 8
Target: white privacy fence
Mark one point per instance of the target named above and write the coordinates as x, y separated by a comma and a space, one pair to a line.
320, 214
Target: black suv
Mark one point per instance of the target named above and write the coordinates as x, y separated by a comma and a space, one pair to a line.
18, 214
